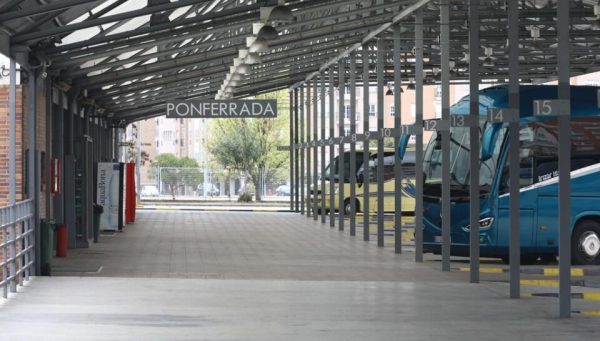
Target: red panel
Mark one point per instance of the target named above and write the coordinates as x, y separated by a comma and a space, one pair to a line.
130, 196
61, 240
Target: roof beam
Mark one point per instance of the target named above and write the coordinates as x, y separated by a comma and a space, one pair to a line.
21, 38
41, 9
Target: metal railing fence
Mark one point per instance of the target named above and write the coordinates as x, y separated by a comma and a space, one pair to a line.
16, 226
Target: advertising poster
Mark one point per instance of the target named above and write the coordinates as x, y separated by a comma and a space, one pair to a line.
108, 195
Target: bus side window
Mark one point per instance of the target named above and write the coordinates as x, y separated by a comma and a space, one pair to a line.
526, 161
525, 171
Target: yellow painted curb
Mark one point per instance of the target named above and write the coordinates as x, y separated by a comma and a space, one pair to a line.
591, 296
590, 312
554, 272
540, 282
485, 270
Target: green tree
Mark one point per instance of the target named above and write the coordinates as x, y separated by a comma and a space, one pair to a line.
250, 145
176, 172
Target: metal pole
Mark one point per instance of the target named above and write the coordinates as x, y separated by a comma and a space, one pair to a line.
309, 211
366, 152
397, 123
322, 98
342, 121
419, 137
138, 157
380, 155
445, 61
474, 208
332, 170
296, 154
12, 170
316, 150
564, 163
33, 171
300, 105
352, 144
291, 101
513, 150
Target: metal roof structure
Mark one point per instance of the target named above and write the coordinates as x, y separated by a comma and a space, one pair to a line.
130, 56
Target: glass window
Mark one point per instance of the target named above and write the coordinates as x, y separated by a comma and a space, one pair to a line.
539, 150
371, 109
459, 165
388, 167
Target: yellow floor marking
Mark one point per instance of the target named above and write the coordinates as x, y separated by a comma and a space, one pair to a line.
590, 312
554, 272
485, 270
591, 296
540, 282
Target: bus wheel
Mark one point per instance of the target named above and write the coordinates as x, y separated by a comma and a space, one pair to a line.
348, 207
585, 243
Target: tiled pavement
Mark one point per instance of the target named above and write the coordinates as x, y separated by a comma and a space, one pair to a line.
241, 245
267, 276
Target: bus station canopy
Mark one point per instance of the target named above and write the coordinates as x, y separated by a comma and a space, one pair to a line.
130, 56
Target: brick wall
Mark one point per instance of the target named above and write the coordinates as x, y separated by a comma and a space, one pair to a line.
4, 144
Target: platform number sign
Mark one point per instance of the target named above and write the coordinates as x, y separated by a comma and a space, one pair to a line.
436, 125
551, 107
502, 115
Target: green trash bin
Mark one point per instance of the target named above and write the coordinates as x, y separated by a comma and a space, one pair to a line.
98, 209
47, 246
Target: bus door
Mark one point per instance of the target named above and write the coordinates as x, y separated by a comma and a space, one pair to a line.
528, 198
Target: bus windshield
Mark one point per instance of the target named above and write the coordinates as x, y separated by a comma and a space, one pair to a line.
459, 165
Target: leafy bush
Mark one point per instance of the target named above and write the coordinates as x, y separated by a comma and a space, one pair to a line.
245, 197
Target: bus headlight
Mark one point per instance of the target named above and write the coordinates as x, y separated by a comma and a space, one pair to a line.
484, 224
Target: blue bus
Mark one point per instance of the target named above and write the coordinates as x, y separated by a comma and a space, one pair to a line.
538, 160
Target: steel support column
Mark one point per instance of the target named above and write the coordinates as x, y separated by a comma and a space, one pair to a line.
300, 104
296, 155
291, 106
307, 104
397, 123
341, 120
69, 171
474, 46
33, 170
513, 151
12, 172
445, 66
564, 161
315, 191
380, 154
332, 170
366, 152
322, 99
419, 137
353, 144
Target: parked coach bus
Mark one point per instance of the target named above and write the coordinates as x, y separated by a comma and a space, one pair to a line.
538, 160
408, 188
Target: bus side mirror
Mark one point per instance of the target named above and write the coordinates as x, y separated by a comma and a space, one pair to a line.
402, 144
488, 141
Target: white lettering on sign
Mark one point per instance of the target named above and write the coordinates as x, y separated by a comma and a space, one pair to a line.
548, 176
216, 109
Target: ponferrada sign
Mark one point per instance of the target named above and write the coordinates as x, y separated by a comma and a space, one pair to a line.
258, 108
